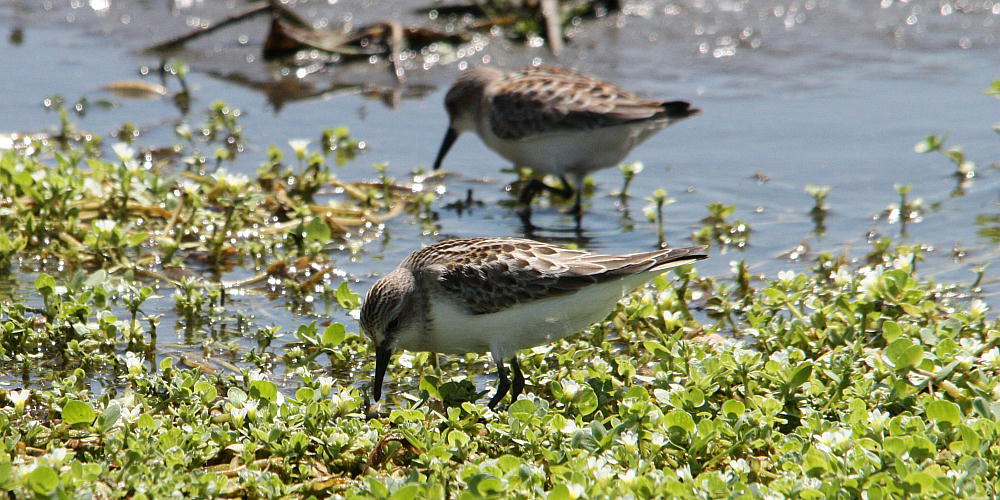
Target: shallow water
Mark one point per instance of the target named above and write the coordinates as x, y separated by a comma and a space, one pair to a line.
797, 92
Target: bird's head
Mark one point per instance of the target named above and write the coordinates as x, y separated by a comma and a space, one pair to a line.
462, 103
382, 317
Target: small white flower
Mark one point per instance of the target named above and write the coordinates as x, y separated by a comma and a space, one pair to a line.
978, 307
877, 419
871, 276
684, 473
657, 439
229, 180
299, 146
130, 410
55, 458
569, 427
628, 476
576, 490
133, 363
740, 466
833, 440
250, 406
342, 400
628, 438
672, 319
841, 277
19, 398
904, 262
93, 187
325, 385
188, 186
786, 276
239, 414
104, 226
123, 152
570, 388
970, 344
405, 360
183, 131
598, 468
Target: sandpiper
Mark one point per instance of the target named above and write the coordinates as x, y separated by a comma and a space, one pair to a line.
500, 295
553, 120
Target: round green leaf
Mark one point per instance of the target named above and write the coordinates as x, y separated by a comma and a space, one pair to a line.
522, 409
680, 419
944, 411
903, 353
891, 331
305, 395
560, 492
733, 408
317, 230
263, 389
77, 412
408, 492
45, 284
43, 480
586, 401
334, 335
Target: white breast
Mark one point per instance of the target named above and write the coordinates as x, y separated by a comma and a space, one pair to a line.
454, 331
572, 151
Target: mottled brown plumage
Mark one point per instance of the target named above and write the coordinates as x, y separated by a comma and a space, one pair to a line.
500, 295
487, 275
554, 120
546, 99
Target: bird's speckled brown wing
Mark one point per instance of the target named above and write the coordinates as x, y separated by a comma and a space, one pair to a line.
488, 275
534, 101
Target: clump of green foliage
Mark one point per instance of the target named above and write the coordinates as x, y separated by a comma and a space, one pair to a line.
849, 379
833, 381
719, 229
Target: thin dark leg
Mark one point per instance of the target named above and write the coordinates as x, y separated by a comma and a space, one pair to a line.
503, 384
528, 194
518, 379
536, 186
577, 209
566, 191
531, 190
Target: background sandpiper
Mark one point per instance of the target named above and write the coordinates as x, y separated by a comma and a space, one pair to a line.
500, 295
553, 120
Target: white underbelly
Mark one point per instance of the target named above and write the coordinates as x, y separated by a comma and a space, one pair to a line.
526, 325
583, 151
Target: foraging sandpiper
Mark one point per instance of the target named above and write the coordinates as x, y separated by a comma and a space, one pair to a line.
500, 295
553, 120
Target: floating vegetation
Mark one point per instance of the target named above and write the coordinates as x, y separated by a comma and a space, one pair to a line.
820, 208
654, 212
289, 33
816, 383
906, 210
718, 229
965, 170
841, 379
629, 171
535, 22
114, 229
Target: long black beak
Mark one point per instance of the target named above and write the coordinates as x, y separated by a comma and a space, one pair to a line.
449, 139
382, 355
